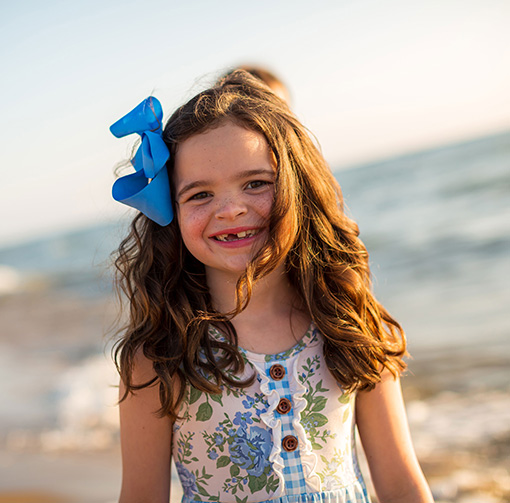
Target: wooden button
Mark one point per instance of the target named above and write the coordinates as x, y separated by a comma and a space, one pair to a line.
277, 372
290, 443
284, 406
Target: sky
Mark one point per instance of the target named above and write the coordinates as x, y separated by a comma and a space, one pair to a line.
370, 78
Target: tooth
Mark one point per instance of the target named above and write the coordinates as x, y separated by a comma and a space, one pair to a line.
239, 235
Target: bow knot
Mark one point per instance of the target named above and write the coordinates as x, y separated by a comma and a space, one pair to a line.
148, 189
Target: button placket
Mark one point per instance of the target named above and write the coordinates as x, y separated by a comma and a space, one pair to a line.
278, 373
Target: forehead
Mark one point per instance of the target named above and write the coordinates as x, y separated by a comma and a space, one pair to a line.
225, 148
225, 138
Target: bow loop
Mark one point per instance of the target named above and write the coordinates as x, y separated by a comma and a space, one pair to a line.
148, 189
147, 116
151, 156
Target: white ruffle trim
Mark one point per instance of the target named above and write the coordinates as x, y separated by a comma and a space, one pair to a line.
308, 457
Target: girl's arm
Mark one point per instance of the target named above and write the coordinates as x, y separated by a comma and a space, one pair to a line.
146, 441
384, 433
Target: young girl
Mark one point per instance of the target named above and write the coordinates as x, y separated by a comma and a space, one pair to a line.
254, 345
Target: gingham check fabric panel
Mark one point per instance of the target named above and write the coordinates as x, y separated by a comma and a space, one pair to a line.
293, 470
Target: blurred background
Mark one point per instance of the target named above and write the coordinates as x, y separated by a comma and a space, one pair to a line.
410, 103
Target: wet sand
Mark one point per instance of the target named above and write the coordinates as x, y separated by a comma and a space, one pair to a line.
64, 477
31, 497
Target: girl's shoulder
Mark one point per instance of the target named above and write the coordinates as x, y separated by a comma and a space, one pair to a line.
141, 369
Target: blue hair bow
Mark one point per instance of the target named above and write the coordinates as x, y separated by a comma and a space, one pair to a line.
148, 189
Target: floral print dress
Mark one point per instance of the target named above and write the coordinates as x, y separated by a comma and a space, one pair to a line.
288, 438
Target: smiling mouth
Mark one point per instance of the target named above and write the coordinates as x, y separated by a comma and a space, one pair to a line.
237, 236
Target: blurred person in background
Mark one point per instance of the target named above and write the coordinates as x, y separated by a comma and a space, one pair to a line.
266, 76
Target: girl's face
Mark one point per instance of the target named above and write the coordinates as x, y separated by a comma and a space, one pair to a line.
224, 183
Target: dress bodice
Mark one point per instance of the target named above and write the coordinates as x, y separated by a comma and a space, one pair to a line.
287, 438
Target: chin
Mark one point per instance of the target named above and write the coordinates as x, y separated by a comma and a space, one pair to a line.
236, 269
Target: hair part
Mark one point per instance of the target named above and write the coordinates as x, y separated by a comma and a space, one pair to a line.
326, 262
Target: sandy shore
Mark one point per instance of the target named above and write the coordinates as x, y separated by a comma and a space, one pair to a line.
65, 477
461, 432
76, 477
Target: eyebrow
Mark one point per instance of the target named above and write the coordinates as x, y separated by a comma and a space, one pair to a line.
243, 174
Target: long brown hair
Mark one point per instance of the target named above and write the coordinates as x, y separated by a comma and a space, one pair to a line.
170, 307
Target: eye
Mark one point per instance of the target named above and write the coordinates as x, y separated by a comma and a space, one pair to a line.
198, 196
257, 184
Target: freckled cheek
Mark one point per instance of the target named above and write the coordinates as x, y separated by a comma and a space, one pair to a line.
192, 224
263, 206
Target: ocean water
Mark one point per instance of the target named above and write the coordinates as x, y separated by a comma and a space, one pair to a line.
77, 261
437, 227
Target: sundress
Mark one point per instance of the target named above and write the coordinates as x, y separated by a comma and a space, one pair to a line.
288, 438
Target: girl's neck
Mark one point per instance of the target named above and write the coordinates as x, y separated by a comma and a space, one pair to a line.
274, 319
267, 293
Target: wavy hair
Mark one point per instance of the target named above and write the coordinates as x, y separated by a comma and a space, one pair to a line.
170, 308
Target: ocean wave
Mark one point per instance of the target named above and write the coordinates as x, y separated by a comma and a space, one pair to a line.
83, 403
452, 421
10, 280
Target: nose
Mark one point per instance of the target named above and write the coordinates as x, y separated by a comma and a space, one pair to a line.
229, 208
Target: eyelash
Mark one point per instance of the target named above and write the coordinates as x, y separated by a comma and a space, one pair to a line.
202, 195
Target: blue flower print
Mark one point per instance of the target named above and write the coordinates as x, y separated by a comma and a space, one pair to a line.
239, 449
213, 454
260, 440
243, 418
250, 450
187, 478
249, 402
218, 439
